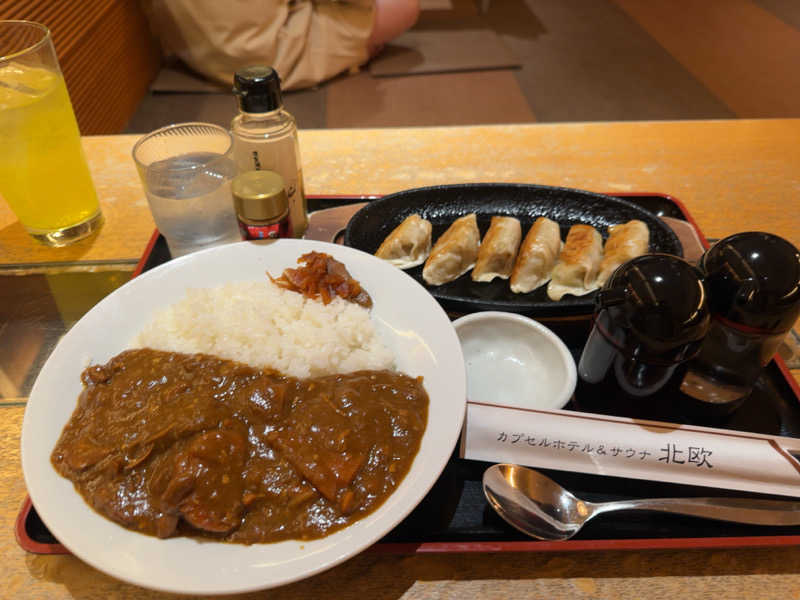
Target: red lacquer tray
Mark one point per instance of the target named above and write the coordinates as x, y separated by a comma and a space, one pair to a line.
455, 517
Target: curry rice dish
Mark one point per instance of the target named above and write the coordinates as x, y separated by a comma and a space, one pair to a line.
169, 443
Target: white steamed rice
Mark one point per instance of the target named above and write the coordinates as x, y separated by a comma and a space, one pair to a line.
262, 325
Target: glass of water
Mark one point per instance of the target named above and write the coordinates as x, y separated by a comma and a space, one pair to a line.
186, 170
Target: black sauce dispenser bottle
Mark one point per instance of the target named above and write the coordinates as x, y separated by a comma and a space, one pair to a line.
753, 283
650, 318
265, 137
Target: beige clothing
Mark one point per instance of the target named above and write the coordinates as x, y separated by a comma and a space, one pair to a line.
305, 41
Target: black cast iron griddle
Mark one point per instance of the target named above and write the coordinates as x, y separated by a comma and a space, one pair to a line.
441, 205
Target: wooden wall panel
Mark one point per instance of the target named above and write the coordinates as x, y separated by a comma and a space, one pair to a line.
106, 51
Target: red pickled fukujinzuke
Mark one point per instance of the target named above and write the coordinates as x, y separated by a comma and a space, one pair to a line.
322, 276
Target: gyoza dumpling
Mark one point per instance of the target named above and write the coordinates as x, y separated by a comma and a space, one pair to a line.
625, 241
537, 256
454, 253
409, 244
576, 270
498, 249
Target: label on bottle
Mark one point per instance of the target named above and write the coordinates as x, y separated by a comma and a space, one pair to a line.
277, 230
278, 155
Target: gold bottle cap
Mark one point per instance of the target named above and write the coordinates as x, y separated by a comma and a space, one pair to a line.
260, 196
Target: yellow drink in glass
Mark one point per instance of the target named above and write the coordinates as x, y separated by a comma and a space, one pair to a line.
43, 172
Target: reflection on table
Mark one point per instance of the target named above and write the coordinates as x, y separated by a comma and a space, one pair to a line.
37, 306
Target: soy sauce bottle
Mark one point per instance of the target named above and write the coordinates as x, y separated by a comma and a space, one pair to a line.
650, 319
753, 284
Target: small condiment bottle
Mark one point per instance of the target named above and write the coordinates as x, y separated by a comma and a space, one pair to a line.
265, 136
262, 207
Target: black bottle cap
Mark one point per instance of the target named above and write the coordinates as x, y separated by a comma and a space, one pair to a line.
258, 89
660, 302
753, 279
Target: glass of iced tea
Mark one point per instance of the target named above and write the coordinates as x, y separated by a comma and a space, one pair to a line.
43, 172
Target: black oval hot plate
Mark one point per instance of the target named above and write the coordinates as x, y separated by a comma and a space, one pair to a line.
441, 205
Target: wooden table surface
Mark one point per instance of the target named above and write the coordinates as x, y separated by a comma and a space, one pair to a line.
731, 175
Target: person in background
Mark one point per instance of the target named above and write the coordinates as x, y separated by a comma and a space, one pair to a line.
305, 41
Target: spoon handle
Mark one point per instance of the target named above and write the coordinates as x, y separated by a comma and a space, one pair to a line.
739, 510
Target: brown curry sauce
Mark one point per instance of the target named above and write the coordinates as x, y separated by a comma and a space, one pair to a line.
176, 444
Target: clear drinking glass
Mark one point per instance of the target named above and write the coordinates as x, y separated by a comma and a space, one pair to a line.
186, 170
43, 172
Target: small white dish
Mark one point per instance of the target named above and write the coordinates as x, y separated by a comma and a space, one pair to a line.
512, 360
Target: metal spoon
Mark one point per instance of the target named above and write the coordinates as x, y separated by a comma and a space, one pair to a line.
539, 507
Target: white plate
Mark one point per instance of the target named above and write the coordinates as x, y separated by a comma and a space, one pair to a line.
412, 324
